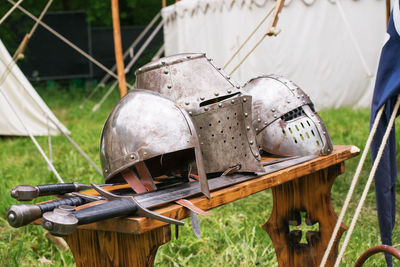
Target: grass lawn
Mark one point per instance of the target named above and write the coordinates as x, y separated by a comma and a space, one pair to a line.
232, 237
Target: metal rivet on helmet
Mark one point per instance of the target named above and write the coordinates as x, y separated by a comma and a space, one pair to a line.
144, 126
293, 128
218, 109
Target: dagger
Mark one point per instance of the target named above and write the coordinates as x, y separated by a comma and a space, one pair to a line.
64, 222
29, 192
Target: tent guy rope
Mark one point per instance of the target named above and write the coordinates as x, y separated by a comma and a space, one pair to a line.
128, 52
248, 37
352, 186
10, 11
7, 71
69, 43
369, 181
270, 31
51, 166
130, 64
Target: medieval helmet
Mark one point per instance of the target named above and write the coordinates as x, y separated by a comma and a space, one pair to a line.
147, 127
219, 110
284, 118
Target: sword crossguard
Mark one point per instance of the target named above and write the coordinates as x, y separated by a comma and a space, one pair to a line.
141, 211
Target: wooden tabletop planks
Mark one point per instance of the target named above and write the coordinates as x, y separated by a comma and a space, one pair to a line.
138, 225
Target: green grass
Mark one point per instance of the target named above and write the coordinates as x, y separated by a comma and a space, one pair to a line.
232, 236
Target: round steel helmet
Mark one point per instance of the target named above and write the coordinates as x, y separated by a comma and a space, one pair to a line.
147, 127
284, 118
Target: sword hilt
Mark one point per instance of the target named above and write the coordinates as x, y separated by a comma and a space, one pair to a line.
29, 192
64, 223
23, 214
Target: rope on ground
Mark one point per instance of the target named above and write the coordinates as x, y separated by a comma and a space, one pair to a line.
69, 43
352, 186
10, 11
248, 37
369, 181
353, 38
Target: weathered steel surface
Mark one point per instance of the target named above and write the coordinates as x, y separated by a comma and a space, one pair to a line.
227, 137
284, 118
144, 126
221, 114
187, 79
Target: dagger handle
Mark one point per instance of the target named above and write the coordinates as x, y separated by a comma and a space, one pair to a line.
110, 209
51, 205
56, 189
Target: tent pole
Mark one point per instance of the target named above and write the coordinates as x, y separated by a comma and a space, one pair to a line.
132, 46
118, 48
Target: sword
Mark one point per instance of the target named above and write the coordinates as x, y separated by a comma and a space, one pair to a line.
64, 222
29, 192
23, 214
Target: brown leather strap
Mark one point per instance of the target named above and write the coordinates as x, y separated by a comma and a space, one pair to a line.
132, 179
189, 205
145, 176
231, 170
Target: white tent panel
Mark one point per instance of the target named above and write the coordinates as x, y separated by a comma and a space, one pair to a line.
30, 107
314, 49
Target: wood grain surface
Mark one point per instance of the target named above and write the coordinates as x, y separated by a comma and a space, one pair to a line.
138, 225
304, 201
105, 248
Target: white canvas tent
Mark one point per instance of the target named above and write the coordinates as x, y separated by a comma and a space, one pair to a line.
30, 107
24, 113
329, 51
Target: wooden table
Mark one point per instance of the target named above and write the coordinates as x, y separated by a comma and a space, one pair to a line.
301, 189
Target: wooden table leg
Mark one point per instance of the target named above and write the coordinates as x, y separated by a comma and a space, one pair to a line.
308, 195
103, 248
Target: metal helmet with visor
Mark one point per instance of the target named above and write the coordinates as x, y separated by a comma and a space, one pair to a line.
284, 118
220, 111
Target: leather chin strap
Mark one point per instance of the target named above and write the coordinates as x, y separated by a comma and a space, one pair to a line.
132, 179
193, 216
142, 181
145, 176
231, 170
145, 184
189, 205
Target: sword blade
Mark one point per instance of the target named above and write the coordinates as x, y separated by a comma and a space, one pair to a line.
157, 198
